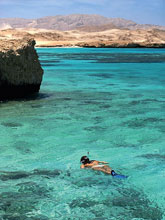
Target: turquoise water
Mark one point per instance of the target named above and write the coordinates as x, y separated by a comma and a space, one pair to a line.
108, 102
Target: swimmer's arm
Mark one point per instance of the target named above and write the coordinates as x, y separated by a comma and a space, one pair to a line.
85, 166
103, 162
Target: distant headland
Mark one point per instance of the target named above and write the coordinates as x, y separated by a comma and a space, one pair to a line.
82, 30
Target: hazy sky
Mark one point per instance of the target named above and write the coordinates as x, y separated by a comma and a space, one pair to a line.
140, 11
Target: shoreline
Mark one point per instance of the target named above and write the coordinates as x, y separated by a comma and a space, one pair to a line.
56, 47
100, 44
122, 47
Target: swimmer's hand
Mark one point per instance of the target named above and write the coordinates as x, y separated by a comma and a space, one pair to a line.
103, 162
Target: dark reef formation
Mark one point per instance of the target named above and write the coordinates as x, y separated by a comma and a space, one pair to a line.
31, 195
20, 70
119, 44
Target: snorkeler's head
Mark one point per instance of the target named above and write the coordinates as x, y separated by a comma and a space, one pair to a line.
84, 160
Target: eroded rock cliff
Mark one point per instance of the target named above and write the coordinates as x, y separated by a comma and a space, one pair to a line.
20, 70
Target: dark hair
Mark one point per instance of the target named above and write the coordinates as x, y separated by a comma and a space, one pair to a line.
84, 160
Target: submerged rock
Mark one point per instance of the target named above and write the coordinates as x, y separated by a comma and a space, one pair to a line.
4, 176
48, 173
120, 203
11, 124
24, 217
20, 206
20, 70
15, 175
33, 188
16, 204
160, 157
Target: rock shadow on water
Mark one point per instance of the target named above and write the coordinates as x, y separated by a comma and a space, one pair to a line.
36, 96
29, 97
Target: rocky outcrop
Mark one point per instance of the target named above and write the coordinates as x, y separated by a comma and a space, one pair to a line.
20, 70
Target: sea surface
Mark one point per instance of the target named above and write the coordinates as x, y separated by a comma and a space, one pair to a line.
108, 104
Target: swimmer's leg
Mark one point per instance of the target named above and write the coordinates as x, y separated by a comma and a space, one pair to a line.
114, 174
104, 169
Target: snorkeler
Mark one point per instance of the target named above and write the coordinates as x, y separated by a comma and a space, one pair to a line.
95, 165
100, 166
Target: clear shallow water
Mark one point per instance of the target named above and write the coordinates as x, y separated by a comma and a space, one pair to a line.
109, 102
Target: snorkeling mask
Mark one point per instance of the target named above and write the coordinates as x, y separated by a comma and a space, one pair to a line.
84, 160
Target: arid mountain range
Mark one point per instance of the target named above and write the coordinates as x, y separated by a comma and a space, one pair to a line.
83, 31
74, 21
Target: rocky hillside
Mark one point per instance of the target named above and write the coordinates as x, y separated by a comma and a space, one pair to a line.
20, 70
97, 28
107, 38
71, 22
